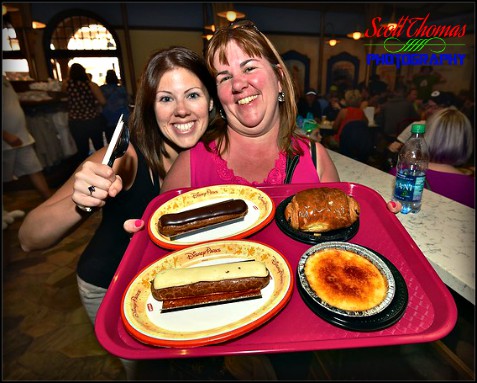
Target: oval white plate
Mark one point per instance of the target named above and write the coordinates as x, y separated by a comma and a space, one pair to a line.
261, 210
142, 316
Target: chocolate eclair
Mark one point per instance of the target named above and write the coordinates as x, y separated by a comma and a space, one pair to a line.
174, 224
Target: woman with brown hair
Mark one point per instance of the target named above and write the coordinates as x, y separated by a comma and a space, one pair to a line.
173, 108
84, 119
259, 133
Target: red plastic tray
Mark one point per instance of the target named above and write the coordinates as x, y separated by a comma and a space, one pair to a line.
430, 315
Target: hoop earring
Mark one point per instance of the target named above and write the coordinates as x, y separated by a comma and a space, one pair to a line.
281, 96
221, 112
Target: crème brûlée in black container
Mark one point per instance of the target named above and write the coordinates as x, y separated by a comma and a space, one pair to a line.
345, 280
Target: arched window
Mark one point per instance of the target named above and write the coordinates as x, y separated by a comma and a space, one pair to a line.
14, 65
84, 38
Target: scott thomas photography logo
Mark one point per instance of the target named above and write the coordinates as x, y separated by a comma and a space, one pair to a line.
414, 41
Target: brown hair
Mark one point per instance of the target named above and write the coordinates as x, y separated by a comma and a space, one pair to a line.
111, 77
145, 132
255, 44
78, 73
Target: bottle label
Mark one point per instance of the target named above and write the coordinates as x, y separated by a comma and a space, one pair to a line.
408, 187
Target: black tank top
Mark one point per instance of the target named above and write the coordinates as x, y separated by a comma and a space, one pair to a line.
102, 256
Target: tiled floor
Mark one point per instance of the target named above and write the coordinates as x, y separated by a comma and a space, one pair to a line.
47, 335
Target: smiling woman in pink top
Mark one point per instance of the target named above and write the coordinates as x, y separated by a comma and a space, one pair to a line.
258, 135
259, 132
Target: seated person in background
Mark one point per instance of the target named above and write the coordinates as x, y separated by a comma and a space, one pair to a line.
373, 101
416, 103
365, 95
376, 86
333, 108
310, 104
437, 101
393, 112
450, 140
425, 81
352, 112
323, 102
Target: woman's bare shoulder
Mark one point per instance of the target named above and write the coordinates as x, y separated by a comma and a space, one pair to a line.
178, 175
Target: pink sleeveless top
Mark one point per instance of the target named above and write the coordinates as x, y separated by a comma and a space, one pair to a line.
209, 169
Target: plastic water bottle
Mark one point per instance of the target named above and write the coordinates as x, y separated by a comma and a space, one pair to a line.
413, 160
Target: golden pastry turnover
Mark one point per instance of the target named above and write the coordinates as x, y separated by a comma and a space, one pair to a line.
319, 210
345, 280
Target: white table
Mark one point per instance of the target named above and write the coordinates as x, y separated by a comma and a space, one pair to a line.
443, 229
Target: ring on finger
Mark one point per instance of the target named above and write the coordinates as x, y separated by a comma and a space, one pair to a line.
91, 189
87, 209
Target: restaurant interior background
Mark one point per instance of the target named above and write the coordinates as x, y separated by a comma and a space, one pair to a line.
101, 36
42, 39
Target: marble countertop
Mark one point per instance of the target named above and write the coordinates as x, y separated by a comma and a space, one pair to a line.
444, 229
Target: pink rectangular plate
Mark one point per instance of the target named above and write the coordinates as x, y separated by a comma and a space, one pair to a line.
430, 315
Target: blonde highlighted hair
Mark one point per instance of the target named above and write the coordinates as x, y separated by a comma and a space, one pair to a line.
256, 44
353, 97
449, 137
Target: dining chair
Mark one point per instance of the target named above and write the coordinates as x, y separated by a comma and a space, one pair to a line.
357, 141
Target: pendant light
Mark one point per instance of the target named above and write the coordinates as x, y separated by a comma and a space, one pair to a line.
231, 15
356, 35
37, 25
332, 41
208, 35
